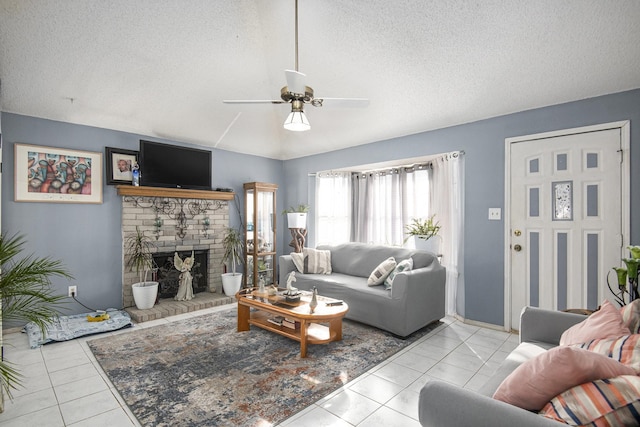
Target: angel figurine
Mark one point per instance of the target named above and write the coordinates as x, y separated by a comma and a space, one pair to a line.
185, 290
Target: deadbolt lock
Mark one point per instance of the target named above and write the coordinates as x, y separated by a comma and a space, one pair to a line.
517, 232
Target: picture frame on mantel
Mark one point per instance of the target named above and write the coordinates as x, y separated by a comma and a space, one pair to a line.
119, 165
57, 175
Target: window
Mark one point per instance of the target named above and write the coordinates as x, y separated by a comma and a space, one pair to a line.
371, 207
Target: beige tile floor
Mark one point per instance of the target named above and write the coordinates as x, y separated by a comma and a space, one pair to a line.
65, 386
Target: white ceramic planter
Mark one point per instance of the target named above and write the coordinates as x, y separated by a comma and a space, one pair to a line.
297, 220
430, 245
231, 283
144, 294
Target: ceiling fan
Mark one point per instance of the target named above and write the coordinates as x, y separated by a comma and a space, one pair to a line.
297, 94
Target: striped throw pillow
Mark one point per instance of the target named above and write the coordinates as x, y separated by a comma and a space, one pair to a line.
404, 265
610, 402
381, 272
312, 261
625, 350
631, 316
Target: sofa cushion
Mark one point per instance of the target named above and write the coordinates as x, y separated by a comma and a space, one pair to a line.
609, 402
312, 261
625, 349
604, 323
531, 385
404, 265
631, 316
381, 272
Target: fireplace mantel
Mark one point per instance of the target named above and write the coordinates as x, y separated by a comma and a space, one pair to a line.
130, 190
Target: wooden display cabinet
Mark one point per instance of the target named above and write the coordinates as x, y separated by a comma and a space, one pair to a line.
260, 233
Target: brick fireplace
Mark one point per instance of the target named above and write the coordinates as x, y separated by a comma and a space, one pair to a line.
176, 220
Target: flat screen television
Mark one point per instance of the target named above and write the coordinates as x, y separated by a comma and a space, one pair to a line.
172, 166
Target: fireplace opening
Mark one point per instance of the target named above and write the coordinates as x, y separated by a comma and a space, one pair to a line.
169, 278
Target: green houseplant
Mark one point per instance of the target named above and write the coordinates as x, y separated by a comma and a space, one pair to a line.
27, 295
233, 245
138, 248
423, 231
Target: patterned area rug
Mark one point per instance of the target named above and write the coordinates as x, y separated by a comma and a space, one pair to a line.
201, 372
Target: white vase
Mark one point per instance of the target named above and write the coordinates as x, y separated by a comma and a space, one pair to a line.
231, 283
144, 294
430, 245
297, 220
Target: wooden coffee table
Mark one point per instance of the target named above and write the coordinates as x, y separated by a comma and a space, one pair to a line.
311, 330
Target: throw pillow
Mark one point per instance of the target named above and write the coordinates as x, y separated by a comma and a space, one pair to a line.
604, 323
538, 380
631, 316
612, 402
625, 349
404, 265
381, 271
312, 261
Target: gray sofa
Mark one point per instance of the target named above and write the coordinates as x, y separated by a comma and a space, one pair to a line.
442, 404
416, 299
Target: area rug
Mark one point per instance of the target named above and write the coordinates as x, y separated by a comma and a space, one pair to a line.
201, 372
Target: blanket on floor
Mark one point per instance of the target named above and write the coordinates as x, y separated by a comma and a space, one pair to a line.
64, 328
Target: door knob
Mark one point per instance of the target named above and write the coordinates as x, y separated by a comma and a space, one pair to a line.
517, 248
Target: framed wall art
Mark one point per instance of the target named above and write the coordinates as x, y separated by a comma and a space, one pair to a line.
50, 174
119, 165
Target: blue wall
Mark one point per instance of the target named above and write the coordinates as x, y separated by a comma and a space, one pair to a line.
87, 237
484, 145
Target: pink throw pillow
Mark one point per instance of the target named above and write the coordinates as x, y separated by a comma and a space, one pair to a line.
604, 323
531, 385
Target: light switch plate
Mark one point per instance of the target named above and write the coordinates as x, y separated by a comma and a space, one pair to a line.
495, 214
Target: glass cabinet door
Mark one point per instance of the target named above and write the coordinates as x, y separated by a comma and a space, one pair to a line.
260, 234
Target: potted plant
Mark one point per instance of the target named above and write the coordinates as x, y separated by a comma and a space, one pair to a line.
425, 233
27, 295
233, 245
139, 257
297, 217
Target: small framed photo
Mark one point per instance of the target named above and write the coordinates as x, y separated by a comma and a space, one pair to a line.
51, 174
119, 164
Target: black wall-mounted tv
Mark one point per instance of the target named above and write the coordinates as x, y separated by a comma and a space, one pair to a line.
172, 166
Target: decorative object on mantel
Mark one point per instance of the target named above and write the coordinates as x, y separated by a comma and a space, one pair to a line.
180, 210
624, 275
185, 290
119, 165
297, 223
233, 244
138, 248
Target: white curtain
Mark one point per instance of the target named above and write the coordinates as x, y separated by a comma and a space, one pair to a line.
385, 201
333, 207
447, 198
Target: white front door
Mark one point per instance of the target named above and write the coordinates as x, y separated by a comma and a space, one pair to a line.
567, 215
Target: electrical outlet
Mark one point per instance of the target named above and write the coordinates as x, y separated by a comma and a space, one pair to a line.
495, 214
73, 291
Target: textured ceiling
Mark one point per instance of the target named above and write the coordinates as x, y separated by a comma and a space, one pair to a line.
162, 68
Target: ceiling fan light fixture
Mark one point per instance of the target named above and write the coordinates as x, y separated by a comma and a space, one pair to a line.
297, 121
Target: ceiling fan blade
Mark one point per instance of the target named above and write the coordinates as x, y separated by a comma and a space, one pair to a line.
340, 102
254, 101
295, 81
